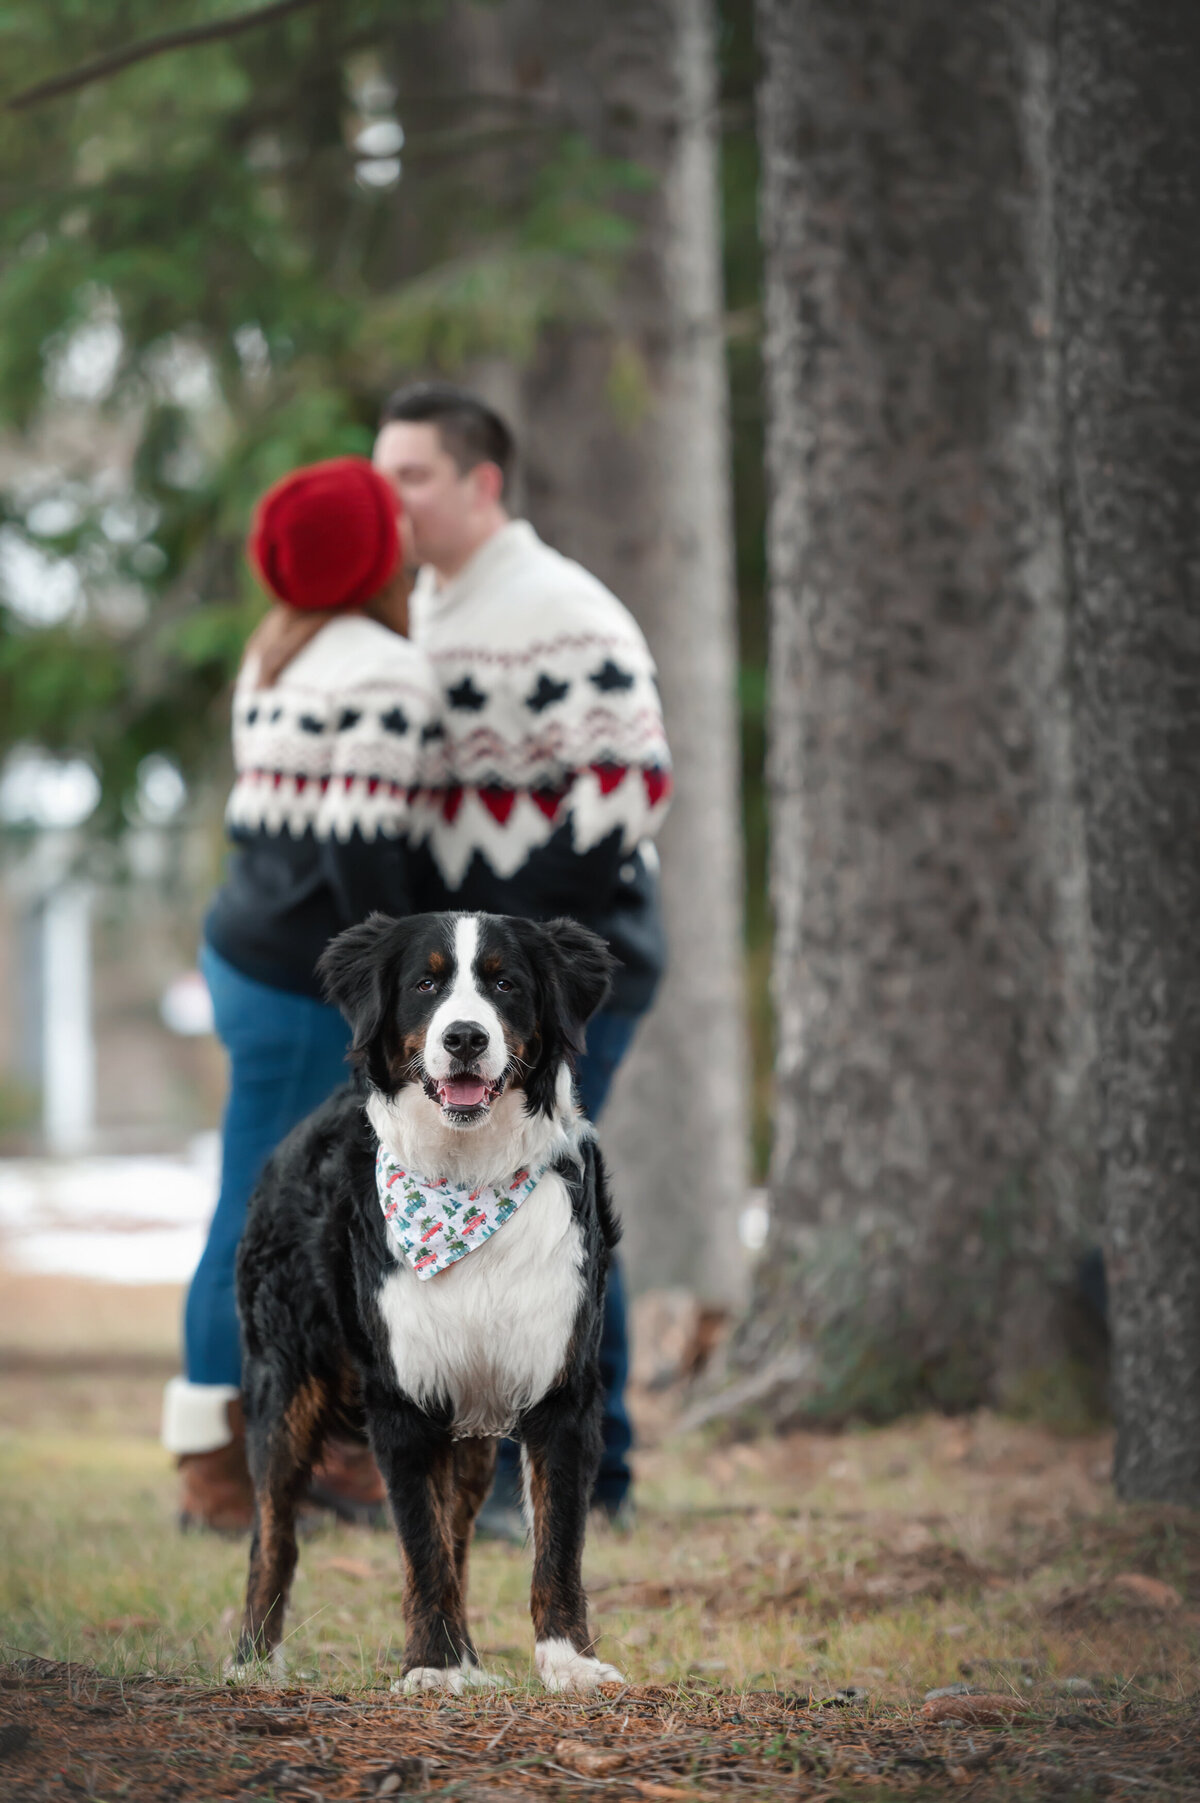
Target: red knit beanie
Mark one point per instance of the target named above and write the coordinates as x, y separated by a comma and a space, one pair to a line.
326, 536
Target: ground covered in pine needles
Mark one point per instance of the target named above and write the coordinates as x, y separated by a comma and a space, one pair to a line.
782, 1611
69, 1731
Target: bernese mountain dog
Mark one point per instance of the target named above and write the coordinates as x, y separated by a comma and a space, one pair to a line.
424, 1263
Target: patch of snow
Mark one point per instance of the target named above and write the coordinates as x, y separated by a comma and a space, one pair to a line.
118, 1219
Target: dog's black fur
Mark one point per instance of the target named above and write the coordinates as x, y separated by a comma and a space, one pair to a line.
315, 1257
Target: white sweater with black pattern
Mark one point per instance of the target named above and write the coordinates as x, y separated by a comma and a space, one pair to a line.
336, 767
559, 773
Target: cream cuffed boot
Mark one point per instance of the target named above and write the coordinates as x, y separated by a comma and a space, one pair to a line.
204, 1427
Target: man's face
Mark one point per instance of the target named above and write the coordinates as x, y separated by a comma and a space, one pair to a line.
442, 507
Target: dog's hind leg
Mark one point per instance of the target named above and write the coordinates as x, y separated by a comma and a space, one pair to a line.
474, 1468
562, 1454
282, 1444
417, 1459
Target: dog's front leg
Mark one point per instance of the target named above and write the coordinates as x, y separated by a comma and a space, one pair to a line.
562, 1456
416, 1457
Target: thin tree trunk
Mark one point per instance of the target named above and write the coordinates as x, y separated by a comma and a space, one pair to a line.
931, 962
627, 461
1128, 141
624, 464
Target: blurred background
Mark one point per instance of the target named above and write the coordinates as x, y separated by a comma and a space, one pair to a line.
217, 257
857, 348
905, 297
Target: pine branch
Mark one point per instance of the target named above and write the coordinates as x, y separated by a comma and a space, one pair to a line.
117, 60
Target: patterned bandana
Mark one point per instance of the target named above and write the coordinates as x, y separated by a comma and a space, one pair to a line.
435, 1224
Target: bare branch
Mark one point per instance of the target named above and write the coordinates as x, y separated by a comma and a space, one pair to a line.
117, 60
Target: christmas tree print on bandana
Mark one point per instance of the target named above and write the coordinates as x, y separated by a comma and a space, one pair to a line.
434, 1224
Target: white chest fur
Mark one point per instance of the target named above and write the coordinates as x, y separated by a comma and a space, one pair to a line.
490, 1334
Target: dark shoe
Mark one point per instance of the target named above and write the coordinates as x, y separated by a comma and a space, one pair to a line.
348, 1483
618, 1515
499, 1521
217, 1492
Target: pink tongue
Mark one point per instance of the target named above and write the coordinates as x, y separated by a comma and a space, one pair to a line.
462, 1092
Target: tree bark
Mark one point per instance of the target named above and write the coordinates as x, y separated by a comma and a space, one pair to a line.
1128, 143
930, 967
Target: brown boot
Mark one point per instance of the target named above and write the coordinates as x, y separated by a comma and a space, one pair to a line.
216, 1491
347, 1481
204, 1425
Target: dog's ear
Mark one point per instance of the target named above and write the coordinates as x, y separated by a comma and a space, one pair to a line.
359, 972
573, 969
585, 972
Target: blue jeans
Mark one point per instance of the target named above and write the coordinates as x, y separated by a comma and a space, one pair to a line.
287, 1053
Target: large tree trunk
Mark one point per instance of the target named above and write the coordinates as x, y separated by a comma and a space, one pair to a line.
627, 465
930, 952
1129, 208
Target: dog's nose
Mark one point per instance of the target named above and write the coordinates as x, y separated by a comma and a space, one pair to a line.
465, 1039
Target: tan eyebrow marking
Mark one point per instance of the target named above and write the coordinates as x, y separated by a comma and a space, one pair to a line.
491, 964
437, 962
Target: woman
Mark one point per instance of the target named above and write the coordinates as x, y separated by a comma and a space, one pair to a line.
330, 763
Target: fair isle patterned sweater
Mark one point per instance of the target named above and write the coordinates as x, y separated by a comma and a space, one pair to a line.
337, 770
558, 769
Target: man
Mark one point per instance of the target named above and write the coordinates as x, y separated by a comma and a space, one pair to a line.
560, 772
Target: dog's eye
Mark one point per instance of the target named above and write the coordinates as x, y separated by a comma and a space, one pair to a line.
503, 985
427, 983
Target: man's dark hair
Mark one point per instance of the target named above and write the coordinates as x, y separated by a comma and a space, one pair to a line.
471, 431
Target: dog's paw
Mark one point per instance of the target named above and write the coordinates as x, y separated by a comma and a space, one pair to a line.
271, 1670
454, 1678
475, 1678
560, 1667
429, 1677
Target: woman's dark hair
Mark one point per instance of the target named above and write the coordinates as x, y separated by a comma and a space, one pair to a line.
471, 431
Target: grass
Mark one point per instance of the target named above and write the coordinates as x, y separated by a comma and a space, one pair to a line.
780, 1611
893, 1560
